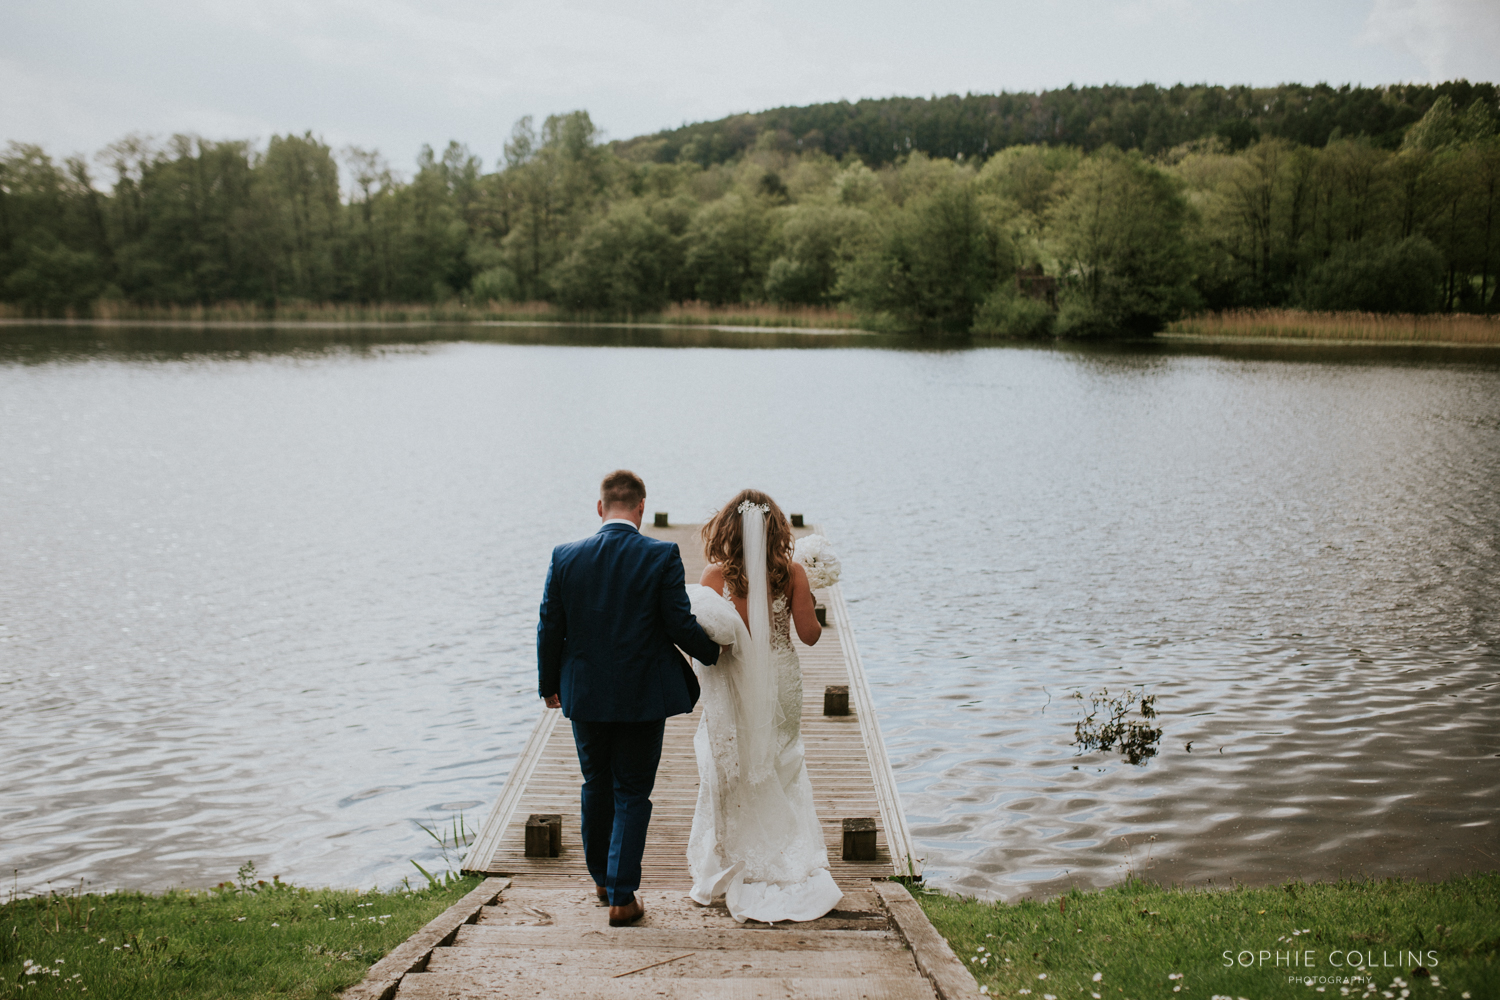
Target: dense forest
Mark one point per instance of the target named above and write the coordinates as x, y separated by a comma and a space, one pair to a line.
1122, 208
1148, 118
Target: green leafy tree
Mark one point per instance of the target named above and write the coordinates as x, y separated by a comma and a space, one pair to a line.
1377, 276
1444, 127
434, 235
1486, 180
728, 244
51, 276
624, 263
1119, 233
207, 233
300, 183
813, 244
937, 260
557, 183
373, 228
53, 248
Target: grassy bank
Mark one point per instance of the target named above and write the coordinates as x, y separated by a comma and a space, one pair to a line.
677, 314
1139, 941
245, 940
1294, 324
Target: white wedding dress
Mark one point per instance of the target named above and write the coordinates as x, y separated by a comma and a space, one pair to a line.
756, 839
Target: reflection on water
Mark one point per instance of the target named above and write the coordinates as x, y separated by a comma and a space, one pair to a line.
58, 340
270, 592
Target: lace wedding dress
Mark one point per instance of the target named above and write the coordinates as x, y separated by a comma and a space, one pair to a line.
755, 839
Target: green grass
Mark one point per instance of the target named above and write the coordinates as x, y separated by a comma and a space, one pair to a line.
256, 939
1144, 941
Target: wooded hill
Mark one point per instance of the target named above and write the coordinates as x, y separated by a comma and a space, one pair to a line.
1148, 118
1137, 205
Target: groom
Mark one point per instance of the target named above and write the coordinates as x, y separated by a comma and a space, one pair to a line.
613, 612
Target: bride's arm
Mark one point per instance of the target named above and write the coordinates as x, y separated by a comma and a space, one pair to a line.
713, 579
804, 615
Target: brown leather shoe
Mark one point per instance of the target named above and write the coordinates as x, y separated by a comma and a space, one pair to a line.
603, 895
622, 916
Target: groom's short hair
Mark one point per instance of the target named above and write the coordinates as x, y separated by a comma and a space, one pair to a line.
622, 488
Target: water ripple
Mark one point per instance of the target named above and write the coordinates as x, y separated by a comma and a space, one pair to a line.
281, 606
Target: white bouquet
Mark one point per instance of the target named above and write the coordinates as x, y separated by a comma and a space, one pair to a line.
816, 555
716, 615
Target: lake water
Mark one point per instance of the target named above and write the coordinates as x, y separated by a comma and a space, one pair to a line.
270, 594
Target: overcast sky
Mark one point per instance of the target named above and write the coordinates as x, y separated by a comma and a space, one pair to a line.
393, 74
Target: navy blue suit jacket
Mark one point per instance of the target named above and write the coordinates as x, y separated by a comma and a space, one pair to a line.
613, 611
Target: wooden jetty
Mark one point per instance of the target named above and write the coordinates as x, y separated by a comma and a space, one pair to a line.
535, 929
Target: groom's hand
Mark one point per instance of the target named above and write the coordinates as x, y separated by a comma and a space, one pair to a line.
553, 701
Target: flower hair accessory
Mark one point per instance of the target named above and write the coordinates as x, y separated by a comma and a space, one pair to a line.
748, 505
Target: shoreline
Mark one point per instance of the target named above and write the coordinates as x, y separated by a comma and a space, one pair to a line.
1214, 338
379, 324
1168, 336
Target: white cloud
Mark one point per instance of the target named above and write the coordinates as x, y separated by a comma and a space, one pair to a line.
1450, 38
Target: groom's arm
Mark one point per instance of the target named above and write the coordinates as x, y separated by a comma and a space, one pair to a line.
677, 613
551, 633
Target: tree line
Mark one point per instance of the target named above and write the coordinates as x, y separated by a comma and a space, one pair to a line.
1149, 118
1123, 239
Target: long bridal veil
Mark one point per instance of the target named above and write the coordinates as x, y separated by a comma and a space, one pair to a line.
756, 839
756, 704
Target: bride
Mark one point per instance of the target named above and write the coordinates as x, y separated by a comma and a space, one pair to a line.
756, 839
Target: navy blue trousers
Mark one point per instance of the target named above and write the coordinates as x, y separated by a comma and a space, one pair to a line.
619, 761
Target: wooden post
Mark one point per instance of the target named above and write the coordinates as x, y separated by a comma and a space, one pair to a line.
539, 837
859, 839
821, 611
836, 699
797, 520
661, 519
543, 835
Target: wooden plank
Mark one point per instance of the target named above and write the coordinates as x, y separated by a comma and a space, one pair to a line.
949, 977
487, 841
742, 962
412, 955
765, 938
429, 986
893, 817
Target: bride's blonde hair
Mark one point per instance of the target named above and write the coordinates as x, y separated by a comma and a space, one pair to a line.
724, 543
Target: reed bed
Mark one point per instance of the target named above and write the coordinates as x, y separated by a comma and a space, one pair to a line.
303, 312
454, 311
759, 314
1294, 324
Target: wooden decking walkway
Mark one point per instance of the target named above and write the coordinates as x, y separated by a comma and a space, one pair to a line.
535, 929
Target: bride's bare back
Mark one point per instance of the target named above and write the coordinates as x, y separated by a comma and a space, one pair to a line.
804, 617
